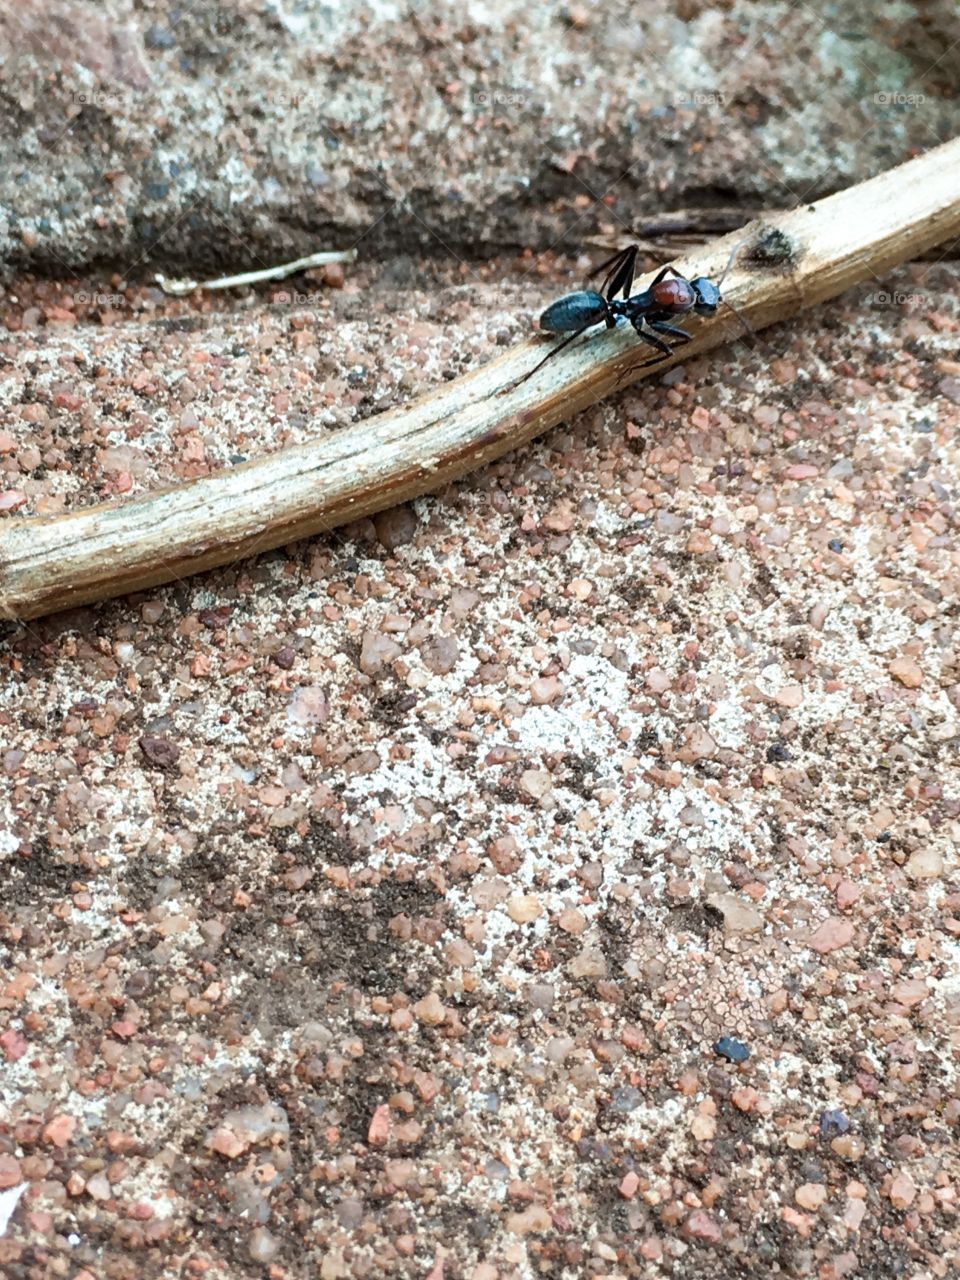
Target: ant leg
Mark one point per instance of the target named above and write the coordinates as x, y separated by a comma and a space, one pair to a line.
661, 274
652, 340
549, 356
746, 327
643, 326
661, 326
608, 262
622, 278
641, 364
622, 267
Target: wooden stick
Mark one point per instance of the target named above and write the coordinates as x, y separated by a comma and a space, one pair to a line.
51, 563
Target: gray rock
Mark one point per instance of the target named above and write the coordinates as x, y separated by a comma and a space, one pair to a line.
203, 136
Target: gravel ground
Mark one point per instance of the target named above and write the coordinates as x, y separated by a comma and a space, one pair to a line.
404, 902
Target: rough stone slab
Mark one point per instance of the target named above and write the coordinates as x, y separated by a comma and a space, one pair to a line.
235, 134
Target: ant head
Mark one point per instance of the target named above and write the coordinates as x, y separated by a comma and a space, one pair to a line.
708, 293
708, 296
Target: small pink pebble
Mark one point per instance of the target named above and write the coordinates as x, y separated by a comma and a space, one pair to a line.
12, 499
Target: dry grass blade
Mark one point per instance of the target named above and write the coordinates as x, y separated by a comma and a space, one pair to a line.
178, 288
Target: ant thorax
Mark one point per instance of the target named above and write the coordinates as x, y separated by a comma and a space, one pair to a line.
675, 296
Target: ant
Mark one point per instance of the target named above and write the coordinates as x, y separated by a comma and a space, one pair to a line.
648, 311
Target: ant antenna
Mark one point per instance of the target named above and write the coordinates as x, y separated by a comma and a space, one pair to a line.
733, 253
750, 332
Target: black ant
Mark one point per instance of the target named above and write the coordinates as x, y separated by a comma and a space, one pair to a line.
648, 311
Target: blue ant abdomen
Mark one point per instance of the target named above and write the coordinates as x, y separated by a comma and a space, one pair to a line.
575, 311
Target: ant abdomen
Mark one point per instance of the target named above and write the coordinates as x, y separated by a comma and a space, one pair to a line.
575, 311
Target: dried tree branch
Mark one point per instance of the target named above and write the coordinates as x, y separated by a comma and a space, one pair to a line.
50, 563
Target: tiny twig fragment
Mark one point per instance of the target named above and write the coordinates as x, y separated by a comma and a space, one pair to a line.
178, 288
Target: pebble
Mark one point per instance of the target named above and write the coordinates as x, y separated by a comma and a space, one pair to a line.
380, 1125
350, 1212
264, 1123
98, 1187
810, 1195
910, 992
847, 893
658, 680
545, 690
12, 499
833, 1123
854, 1214
572, 920
902, 1191
925, 864
625, 1099
152, 611
60, 1130
559, 1048
908, 671
430, 1010
536, 1218
160, 751
731, 1049
308, 706
226, 1143
396, 527
460, 953
590, 963
541, 995
10, 1172
703, 1128
738, 917
536, 783
377, 651
832, 935
440, 654
262, 1246
789, 695
848, 1146
701, 1226
524, 907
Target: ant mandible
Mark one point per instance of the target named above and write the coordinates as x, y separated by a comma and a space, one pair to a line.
649, 311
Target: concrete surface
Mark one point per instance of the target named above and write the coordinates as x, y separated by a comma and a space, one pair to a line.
399, 903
